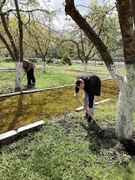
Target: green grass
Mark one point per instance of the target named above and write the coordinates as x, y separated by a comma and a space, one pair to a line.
53, 77
65, 150
91, 68
43, 80
7, 65
74, 66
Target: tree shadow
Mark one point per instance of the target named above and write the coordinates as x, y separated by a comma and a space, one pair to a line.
108, 140
17, 113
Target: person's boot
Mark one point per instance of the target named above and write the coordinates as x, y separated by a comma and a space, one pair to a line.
86, 116
29, 86
89, 119
91, 124
33, 84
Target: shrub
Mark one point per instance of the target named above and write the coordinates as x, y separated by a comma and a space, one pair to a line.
66, 59
34, 60
50, 61
7, 59
60, 63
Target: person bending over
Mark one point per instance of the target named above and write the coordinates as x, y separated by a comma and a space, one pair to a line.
91, 85
29, 70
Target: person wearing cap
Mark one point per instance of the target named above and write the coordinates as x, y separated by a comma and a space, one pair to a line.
91, 85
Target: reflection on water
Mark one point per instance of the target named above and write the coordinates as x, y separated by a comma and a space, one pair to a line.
20, 110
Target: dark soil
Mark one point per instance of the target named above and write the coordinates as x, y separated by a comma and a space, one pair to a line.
127, 146
106, 139
109, 139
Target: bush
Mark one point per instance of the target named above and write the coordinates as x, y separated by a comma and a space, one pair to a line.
50, 61
7, 59
60, 63
34, 60
66, 59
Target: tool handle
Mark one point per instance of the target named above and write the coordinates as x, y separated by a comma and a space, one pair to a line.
23, 76
86, 110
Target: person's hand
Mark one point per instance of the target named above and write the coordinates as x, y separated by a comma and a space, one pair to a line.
90, 112
75, 95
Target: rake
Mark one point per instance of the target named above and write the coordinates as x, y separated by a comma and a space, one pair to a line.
100, 129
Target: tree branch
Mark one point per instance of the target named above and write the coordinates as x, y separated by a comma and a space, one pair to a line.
90, 33
20, 31
126, 24
28, 11
7, 46
2, 4
15, 50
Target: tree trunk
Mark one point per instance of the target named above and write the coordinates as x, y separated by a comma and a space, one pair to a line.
126, 84
126, 101
124, 115
44, 66
126, 26
85, 67
126, 104
18, 66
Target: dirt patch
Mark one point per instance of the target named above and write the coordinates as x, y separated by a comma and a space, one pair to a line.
127, 146
106, 140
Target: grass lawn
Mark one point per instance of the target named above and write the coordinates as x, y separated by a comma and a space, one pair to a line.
7, 65
65, 149
74, 66
91, 68
53, 77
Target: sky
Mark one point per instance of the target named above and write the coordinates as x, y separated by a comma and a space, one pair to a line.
58, 5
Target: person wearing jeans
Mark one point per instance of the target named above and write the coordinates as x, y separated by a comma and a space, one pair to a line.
91, 85
86, 105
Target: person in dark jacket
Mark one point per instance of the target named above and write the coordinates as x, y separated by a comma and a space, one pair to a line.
29, 70
91, 84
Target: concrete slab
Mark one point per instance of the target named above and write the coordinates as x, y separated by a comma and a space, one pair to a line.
8, 137
79, 109
96, 103
103, 101
31, 127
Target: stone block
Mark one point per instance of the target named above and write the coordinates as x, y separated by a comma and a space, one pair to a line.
103, 101
7, 137
31, 127
79, 109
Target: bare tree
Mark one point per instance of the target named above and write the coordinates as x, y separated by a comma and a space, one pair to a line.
126, 101
13, 41
104, 21
41, 36
15, 50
